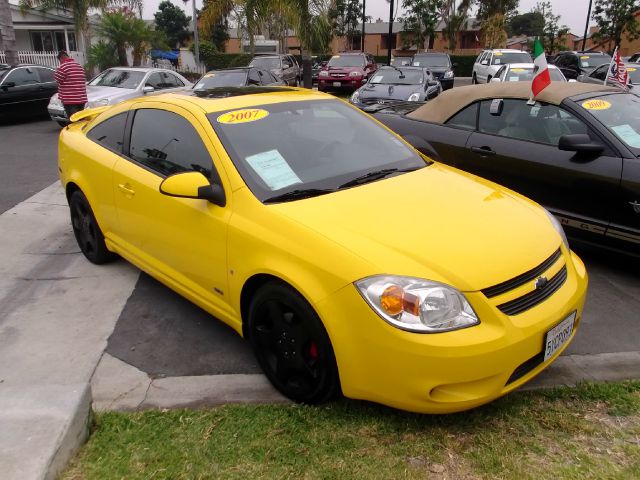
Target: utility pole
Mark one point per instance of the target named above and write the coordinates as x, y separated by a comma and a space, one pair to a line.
364, 18
586, 27
195, 32
390, 32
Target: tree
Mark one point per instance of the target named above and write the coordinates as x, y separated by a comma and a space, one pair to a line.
453, 18
494, 15
122, 29
420, 19
173, 22
79, 10
101, 55
552, 32
7, 35
530, 24
615, 18
345, 15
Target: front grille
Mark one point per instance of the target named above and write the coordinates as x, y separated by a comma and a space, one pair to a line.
338, 75
526, 367
515, 282
531, 299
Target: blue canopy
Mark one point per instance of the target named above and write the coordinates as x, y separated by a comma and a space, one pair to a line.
165, 54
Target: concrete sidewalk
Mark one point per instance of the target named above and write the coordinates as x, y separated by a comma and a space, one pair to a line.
56, 313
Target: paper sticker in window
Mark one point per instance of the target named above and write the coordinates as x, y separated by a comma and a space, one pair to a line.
273, 169
514, 79
376, 79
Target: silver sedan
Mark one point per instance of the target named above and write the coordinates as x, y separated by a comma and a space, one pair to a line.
122, 83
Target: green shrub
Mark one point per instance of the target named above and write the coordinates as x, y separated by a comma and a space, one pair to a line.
464, 64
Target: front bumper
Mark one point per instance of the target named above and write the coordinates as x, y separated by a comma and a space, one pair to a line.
445, 372
342, 83
57, 114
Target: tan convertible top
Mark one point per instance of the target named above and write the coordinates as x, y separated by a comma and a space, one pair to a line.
450, 102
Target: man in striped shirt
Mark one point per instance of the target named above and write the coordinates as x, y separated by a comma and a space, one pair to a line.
72, 90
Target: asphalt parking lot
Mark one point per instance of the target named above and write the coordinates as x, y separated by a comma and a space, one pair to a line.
160, 333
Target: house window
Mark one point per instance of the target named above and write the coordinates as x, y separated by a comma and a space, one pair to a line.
356, 42
384, 41
52, 41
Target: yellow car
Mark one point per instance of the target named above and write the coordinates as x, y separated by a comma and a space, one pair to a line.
350, 262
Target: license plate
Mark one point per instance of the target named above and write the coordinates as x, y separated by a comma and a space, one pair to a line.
336, 84
558, 336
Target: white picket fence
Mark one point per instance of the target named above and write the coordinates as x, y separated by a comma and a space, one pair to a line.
43, 58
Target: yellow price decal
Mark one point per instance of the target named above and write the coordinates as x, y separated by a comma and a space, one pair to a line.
596, 105
243, 116
207, 75
498, 54
631, 69
518, 70
584, 57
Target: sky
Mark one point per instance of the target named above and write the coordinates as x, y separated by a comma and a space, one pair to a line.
572, 13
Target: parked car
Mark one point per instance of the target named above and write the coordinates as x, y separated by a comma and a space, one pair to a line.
634, 58
122, 83
574, 64
346, 71
25, 90
237, 77
401, 61
413, 84
490, 61
439, 64
283, 66
575, 151
599, 75
523, 72
435, 299
315, 70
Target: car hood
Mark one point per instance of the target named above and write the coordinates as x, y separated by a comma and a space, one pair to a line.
436, 223
399, 92
345, 69
113, 93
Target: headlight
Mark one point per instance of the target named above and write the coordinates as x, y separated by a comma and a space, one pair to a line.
323, 73
417, 305
558, 227
98, 103
414, 97
355, 98
355, 74
55, 102
448, 74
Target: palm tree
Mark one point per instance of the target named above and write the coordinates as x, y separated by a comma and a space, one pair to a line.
122, 30
454, 17
78, 8
7, 35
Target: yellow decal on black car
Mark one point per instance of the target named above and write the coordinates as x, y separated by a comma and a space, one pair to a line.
596, 104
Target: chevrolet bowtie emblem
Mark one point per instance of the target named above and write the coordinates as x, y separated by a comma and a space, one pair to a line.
541, 282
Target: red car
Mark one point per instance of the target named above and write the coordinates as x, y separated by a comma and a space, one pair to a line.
346, 71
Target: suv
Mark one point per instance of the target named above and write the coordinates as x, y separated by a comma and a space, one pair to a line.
346, 71
283, 66
574, 64
490, 61
440, 66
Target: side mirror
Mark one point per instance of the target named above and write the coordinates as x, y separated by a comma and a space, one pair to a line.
193, 185
579, 142
7, 85
484, 62
422, 146
148, 89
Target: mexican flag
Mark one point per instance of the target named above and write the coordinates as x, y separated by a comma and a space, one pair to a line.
541, 80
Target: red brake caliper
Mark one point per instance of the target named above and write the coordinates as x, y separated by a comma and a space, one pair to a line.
313, 351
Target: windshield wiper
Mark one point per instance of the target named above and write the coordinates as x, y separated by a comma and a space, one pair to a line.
375, 175
299, 194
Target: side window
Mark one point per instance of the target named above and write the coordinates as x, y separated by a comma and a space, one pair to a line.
254, 77
23, 76
167, 143
465, 118
600, 73
46, 75
154, 81
110, 133
501, 71
175, 81
540, 123
271, 76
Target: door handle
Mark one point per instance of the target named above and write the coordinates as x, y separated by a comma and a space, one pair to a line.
483, 151
126, 189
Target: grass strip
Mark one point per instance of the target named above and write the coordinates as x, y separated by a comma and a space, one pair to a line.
588, 432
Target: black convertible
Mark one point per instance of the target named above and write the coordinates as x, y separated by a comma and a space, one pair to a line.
575, 151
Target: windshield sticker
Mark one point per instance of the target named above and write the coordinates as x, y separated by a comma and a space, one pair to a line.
376, 79
518, 70
496, 61
585, 64
273, 169
596, 105
498, 54
534, 111
631, 69
514, 79
243, 116
628, 135
417, 64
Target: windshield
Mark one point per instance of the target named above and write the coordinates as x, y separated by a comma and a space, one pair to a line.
268, 63
3, 72
386, 76
500, 58
323, 144
620, 114
221, 79
401, 61
634, 75
524, 74
431, 61
346, 61
592, 61
118, 78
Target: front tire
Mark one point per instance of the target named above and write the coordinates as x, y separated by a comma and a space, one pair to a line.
474, 80
86, 230
291, 345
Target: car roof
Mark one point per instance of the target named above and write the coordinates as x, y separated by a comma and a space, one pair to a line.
526, 65
451, 101
429, 54
4, 66
228, 98
504, 50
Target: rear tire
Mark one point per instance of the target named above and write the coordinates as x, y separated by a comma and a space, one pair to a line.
292, 345
86, 230
474, 80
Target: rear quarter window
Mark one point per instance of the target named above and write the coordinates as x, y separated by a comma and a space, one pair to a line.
110, 133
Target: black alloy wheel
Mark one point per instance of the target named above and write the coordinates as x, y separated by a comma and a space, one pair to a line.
291, 345
86, 230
